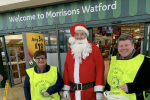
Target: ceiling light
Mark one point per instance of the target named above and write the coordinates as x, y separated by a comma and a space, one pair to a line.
113, 37
67, 31
137, 36
7, 41
20, 42
53, 39
46, 38
138, 29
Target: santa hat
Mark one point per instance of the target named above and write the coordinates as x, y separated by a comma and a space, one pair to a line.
79, 26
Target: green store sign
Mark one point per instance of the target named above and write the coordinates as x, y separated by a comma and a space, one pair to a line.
88, 10
62, 13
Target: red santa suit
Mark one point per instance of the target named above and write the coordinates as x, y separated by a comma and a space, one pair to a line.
90, 70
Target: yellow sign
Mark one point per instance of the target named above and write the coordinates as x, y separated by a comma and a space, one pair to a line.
35, 41
6, 91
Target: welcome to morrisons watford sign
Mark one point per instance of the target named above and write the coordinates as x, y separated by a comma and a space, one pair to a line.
89, 11
47, 14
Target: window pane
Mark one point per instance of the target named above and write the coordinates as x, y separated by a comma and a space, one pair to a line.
50, 41
64, 44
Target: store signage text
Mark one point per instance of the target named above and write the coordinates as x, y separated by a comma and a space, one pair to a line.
38, 46
85, 9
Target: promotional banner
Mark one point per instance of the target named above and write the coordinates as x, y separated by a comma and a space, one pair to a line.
35, 41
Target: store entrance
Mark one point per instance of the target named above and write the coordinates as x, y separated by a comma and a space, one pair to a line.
15, 58
106, 37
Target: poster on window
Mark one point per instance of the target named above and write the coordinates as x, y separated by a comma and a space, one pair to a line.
34, 42
117, 31
99, 31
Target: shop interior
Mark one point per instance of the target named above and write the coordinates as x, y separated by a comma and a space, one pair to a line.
106, 37
16, 58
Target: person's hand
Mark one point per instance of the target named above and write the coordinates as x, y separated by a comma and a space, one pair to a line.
1, 77
124, 87
66, 94
105, 95
99, 96
45, 94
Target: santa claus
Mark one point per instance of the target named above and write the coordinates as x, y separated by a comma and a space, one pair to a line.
84, 67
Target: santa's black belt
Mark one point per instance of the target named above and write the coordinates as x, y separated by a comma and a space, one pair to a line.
81, 86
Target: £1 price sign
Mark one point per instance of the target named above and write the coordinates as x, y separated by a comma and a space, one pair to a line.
35, 41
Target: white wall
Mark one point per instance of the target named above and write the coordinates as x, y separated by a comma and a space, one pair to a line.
14, 36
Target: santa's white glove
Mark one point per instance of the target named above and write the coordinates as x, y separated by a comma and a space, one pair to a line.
99, 96
66, 94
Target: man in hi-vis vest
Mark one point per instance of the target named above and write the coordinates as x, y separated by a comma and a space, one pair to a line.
129, 72
42, 82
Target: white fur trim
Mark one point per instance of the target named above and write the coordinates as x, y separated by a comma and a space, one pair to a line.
71, 40
66, 87
83, 29
99, 88
76, 78
76, 71
77, 95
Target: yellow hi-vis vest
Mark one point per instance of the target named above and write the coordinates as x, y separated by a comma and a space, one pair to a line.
39, 83
123, 71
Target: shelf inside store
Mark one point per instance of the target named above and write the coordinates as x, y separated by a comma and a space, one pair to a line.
15, 71
12, 56
14, 62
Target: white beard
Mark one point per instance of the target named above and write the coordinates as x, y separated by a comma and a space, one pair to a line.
81, 49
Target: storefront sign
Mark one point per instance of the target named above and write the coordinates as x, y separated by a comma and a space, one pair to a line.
90, 11
47, 14
35, 41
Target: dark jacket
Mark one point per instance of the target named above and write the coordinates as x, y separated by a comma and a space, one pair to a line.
141, 81
53, 89
115, 52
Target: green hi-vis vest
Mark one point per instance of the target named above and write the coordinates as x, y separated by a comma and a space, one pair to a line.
123, 71
39, 83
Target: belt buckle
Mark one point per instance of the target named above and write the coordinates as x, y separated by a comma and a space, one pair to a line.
78, 86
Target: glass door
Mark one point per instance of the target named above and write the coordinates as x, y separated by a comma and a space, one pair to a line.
64, 46
51, 47
4, 69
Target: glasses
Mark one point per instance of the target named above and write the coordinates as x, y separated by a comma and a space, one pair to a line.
41, 57
81, 34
